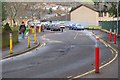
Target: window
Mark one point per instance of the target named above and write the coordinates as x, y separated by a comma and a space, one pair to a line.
100, 14
105, 13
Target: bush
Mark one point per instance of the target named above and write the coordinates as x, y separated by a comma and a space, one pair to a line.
6, 28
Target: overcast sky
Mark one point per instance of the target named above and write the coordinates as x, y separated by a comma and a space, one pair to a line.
57, 0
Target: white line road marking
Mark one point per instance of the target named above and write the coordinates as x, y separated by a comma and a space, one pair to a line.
94, 69
90, 35
69, 76
44, 44
58, 33
104, 43
76, 35
53, 41
112, 49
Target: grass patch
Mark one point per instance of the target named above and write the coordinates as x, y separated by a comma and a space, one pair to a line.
93, 27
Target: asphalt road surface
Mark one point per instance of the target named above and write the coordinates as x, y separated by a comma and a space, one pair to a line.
63, 55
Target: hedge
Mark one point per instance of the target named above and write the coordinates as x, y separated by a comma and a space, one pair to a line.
6, 30
6, 38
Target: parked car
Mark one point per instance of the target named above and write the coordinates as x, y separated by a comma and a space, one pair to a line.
72, 26
55, 27
62, 25
47, 27
79, 27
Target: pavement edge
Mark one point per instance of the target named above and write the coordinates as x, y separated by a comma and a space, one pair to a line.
115, 46
26, 50
106, 64
104, 30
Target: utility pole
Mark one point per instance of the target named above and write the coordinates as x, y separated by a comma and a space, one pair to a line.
100, 12
117, 15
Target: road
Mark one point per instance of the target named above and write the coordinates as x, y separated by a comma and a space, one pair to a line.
63, 55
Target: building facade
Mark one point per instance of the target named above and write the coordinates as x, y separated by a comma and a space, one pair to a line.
88, 15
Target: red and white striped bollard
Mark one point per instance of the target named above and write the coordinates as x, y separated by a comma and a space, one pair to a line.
110, 34
97, 57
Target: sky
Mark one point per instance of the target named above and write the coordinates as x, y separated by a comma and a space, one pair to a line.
57, 0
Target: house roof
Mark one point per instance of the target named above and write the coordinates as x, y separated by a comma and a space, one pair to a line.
92, 7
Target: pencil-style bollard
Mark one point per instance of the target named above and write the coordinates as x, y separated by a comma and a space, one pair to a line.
35, 37
39, 29
28, 41
30, 31
11, 44
110, 34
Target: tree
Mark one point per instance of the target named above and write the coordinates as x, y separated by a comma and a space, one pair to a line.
113, 10
110, 7
13, 9
4, 13
7, 28
50, 11
36, 9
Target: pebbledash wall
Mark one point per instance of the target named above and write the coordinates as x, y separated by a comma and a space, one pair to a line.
110, 25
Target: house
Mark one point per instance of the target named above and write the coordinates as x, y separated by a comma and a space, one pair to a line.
89, 15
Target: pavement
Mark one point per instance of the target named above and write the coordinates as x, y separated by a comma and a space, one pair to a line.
19, 48
110, 71
67, 54
105, 36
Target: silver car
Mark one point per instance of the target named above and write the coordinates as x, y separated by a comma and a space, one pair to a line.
55, 27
